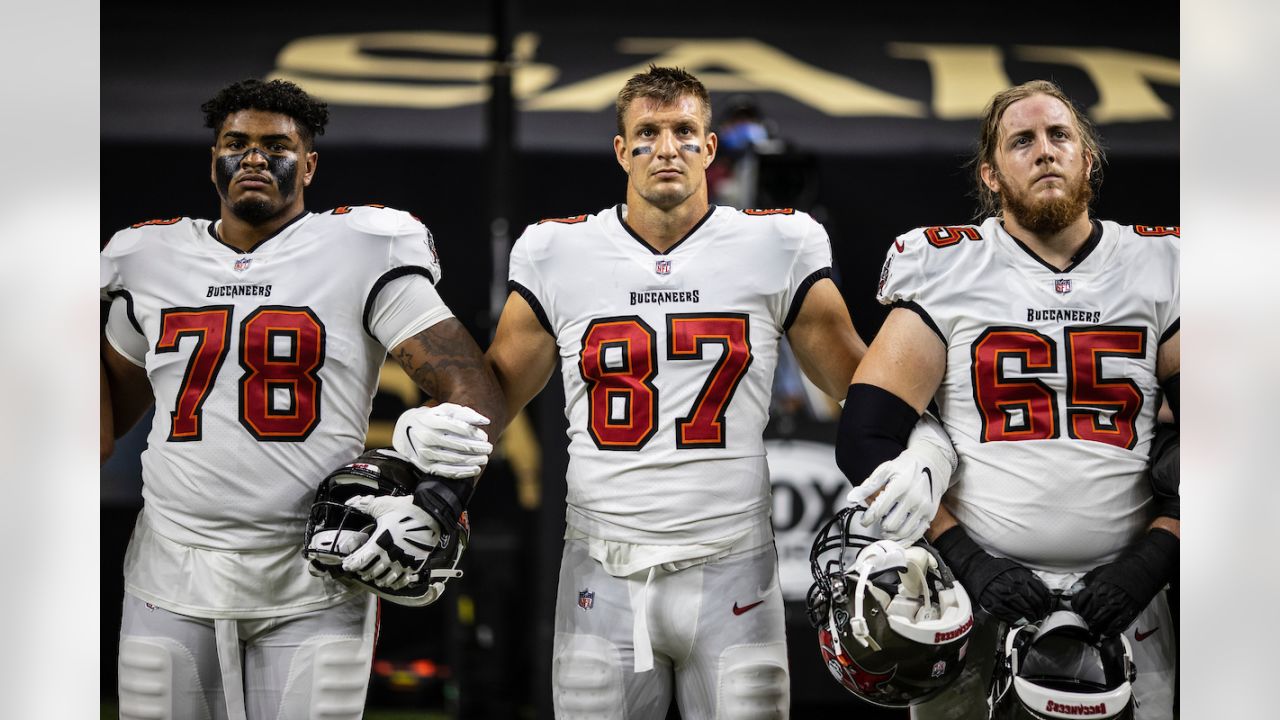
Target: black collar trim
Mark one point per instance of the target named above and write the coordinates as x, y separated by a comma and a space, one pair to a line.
214, 234
1095, 237
618, 209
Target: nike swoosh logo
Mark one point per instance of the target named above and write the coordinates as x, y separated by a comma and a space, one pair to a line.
930, 474
1140, 636
739, 610
408, 430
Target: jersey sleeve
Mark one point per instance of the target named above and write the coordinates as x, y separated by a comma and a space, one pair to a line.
523, 276
413, 246
122, 332
902, 277
1170, 311
812, 263
405, 307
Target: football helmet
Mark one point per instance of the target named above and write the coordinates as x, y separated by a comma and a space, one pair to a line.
335, 529
1059, 669
893, 623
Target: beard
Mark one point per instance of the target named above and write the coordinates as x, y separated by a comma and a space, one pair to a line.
1047, 217
254, 211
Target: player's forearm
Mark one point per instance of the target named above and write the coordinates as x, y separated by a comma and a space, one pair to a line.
448, 366
942, 522
127, 391
1171, 525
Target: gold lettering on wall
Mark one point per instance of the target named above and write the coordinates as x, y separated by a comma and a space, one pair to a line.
734, 65
348, 69
964, 76
1123, 79
450, 70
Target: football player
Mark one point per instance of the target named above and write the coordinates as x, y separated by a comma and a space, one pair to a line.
1047, 339
664, 315
259, 337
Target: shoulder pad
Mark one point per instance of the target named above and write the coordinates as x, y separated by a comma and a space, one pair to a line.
571, 220
168, 221
947, 235
1158, 230
374, 219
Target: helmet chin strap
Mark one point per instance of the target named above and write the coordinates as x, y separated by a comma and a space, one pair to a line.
879, 555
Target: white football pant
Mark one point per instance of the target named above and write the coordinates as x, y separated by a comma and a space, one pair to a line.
310, 666
712, 635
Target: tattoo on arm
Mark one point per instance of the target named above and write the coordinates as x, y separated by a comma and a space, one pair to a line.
447, 364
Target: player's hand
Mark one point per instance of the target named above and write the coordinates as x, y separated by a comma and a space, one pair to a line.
400, 544
444, 440
1114, 594
908, 496
327, 549
1003, 587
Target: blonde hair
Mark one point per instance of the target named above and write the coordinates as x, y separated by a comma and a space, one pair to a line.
989, 201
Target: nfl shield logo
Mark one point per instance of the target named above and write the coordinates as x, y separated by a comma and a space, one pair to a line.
662, 267
586, 599
1062, 285
242, 264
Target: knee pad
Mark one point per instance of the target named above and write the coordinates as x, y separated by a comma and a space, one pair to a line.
586, 673
753, 682
158, 681
328, 679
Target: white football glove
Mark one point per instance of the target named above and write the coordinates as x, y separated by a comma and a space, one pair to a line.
400, 544
332, 546
444, 440
912, 484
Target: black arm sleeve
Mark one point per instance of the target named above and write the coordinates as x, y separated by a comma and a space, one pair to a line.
1165, 472
874, 427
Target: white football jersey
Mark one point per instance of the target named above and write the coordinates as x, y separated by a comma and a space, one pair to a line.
263, 364
1050, 392
667, 361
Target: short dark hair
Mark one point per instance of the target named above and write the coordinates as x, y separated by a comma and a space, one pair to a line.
989, 133
666, 85
276, 96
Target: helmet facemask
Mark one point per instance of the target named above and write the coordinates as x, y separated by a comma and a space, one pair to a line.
892, 621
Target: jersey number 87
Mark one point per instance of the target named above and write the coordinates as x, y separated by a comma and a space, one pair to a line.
620, 359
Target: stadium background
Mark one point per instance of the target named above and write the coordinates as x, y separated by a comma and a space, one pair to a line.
874, 112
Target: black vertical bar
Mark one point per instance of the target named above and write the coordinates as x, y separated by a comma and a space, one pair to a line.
501, 123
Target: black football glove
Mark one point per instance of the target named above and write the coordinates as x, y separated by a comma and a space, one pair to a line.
1115, 593
1003, 588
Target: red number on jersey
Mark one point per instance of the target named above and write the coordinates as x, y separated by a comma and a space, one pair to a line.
687, 336
946, 236
618, 362
572, 220
1014, 409
1099, 408
281, 350
211, 327
1158, 230
1091, 395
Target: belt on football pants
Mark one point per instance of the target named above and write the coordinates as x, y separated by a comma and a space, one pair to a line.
226, 635
640, 627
